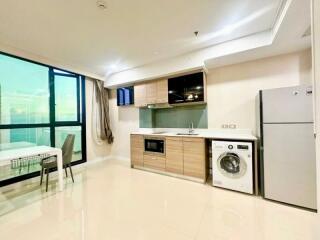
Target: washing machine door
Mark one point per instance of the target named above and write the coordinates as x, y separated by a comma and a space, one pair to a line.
231, 165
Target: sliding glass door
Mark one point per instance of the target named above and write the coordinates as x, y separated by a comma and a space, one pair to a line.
39, 105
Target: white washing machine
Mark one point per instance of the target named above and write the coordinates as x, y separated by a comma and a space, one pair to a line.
232, 165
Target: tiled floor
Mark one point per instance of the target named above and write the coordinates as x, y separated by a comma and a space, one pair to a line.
110, 201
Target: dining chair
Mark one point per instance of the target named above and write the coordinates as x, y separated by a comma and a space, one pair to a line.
49, 163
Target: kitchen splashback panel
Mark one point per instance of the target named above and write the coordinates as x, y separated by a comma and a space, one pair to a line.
177, 117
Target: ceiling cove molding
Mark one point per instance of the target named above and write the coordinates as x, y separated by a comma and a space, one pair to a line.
197, 59
37, 58
286, 38
187, 62
284, 8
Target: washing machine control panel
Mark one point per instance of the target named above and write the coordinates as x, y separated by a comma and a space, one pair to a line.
232, 146
242, 147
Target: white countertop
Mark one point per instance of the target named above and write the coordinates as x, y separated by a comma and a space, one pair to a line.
234, 134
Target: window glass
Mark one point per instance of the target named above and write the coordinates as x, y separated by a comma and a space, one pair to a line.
21, 138
24, 137
25, 99
66, 98
61, 135
24, 92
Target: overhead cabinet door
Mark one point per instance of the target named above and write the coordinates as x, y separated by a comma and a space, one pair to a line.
176, 90
140, 95
194, 88
187, 89
151, 91
162, 91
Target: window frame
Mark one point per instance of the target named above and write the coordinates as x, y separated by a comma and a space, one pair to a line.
81, 115
52, 83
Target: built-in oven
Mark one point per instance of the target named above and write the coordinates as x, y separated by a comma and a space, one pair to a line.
154, 145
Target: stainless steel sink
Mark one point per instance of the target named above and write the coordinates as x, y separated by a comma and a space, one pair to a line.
188, 134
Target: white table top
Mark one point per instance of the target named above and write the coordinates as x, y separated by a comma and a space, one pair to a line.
26, 152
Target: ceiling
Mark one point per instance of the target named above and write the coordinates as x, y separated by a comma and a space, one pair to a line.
127, 34
289, 33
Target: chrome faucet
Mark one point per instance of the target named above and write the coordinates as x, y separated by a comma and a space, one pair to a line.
191, 130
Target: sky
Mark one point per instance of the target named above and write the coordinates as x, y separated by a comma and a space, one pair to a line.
25, 92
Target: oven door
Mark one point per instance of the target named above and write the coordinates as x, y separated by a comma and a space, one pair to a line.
154, 145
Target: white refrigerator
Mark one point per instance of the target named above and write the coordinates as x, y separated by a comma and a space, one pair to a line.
287, 146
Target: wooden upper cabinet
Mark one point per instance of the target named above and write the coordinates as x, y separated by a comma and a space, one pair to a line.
140, 98
151, 90
151, 93
162, 91
194, 158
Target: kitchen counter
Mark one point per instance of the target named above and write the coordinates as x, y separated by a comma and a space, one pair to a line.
234, 134
187, 156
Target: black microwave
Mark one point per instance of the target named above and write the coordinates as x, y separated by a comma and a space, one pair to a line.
154, 145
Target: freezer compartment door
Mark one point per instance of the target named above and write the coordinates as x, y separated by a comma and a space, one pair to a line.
287, 105
290, 164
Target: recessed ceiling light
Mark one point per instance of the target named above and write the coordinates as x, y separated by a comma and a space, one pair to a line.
101, 4
114, 66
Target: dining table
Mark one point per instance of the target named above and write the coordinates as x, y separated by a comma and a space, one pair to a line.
33, 151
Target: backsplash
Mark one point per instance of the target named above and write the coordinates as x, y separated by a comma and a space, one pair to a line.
176, 117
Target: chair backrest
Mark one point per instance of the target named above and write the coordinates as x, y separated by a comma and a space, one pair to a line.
67, 149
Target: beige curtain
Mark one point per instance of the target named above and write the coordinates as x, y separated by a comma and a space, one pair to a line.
102, 100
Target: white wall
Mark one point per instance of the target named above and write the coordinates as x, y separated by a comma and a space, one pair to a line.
232, 89
231, 96
124, 120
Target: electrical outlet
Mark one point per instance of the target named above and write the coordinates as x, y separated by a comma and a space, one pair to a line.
229, 126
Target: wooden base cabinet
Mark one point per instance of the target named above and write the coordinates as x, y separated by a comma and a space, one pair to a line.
174, 153
184, 156
137, 148
154, 162
194, 161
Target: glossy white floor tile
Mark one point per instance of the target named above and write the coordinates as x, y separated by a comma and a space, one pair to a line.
110, 201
